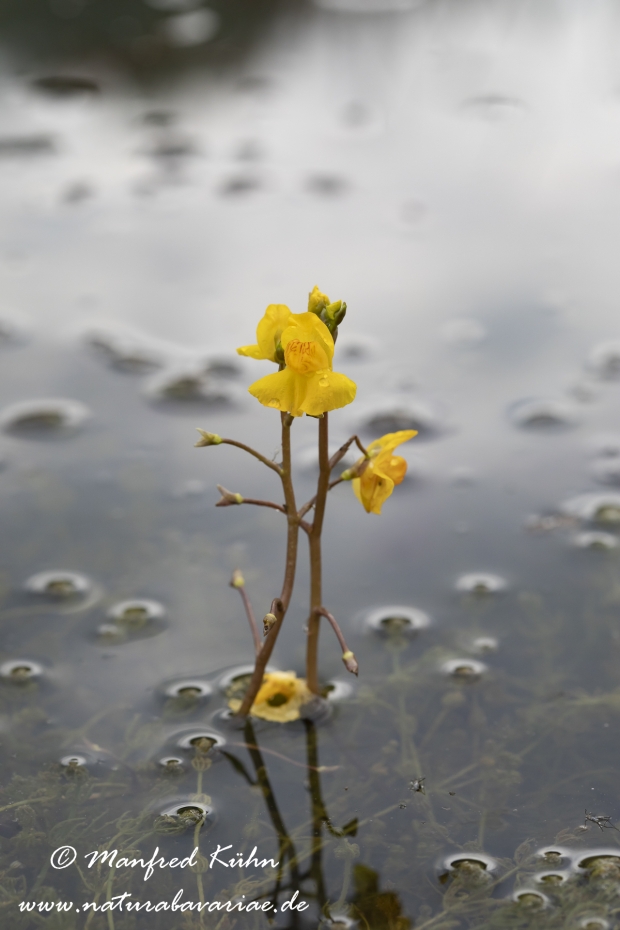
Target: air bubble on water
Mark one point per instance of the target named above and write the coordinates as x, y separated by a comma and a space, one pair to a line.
137, 613
187, 811
542, 414
51, 416
552, 878
109, 633
605, 860
604, 360
595, 540
594, 922
172, 765
464, 332
395, 619
481, 583
388, 417
190, 688
58, 585
484, 644
74, 762
337, 689
200, 740
20, 671
598, 508
473, 861
531, 898
123, 349
606, 470
190, 385
554, 855
463, 669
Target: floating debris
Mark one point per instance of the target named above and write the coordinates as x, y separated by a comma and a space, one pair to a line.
596, 540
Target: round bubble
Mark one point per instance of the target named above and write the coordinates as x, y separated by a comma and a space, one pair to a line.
554, 855
74, 762
481, 583
124, 350
599, 508
552, 878
604, 360
191, 385
530, 897
480, 861
594, 922
600, 859
137, 613
110, 633
391, 418
189, 810
542, 414
201, 740
463, 669
337, 690
20, 671
191, 688
172, 765
59, 585
45, 416
596, 540
396, 618
483, 644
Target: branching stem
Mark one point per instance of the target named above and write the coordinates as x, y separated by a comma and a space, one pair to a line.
257, 455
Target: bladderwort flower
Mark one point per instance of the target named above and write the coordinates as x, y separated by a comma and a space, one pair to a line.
280, 698
374, 478
307, 383
268, 334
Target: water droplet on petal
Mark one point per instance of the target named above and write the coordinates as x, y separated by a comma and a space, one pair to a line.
323, 382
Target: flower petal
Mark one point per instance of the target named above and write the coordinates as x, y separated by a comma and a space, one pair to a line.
306, 327
391, 440
250, 351
268, 333
373, 489
327, 390
283, 390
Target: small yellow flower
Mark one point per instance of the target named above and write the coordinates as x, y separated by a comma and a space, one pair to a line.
280, 698
307, 384
268, 333
383, 471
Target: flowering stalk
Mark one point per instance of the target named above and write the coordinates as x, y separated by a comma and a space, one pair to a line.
280, 605
316, 571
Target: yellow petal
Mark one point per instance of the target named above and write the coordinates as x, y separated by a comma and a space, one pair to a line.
373, 489
283, 391
307, 328
250, 351
395, 468
297, 394
391, 440
327, 390
268, 333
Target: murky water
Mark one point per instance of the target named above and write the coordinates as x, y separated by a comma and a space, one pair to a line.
452, 171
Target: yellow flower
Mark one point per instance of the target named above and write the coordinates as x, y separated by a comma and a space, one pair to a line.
383, 471
317, 301
307, 384
268, 333
280, 697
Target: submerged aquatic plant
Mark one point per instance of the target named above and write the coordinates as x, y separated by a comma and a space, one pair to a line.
302, 346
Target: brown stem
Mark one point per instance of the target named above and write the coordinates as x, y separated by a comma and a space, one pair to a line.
314, 539
279, 605
342, 451
238, 583
306, 507
257, 455
257, 503
348, 658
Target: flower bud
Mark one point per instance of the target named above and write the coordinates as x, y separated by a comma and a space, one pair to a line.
207, 439
350, 662
237, 580
268, 622
355, 471
228, 497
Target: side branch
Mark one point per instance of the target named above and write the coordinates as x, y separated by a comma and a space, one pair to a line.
228, 499
262, 658
350, 662
250, 451
342, 451
237, 581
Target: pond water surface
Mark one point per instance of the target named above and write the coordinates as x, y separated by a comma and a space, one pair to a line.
451, 170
